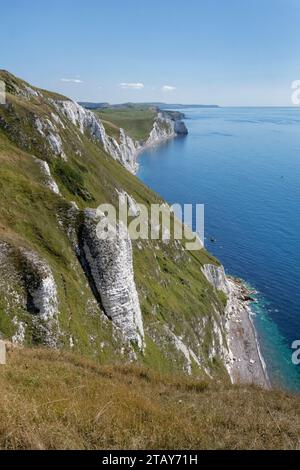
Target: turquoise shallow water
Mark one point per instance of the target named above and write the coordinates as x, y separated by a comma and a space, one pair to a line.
244, 165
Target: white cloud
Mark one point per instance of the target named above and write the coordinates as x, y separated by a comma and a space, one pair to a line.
132, 86
71, 80
168, 88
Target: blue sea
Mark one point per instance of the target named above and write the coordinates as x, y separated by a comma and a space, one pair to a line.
244, 165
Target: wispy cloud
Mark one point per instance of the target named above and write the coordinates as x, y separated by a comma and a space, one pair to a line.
168, 88
71, 80
131, 86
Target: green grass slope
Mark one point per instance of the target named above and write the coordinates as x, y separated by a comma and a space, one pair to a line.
136, 121
52, 400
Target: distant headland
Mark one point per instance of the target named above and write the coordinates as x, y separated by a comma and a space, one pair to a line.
90, 105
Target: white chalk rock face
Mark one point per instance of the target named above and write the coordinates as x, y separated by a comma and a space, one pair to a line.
42, 296
188, 354
73, 112
128, 150
124, 150
216, 277
111, 268
163, 129
82, 118
130, 202
50, 132
55, 142
48, 178
29, 92
19, 336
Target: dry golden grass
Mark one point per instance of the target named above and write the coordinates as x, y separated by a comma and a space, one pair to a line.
52, 400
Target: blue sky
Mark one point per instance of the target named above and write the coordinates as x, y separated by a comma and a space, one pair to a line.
229, 52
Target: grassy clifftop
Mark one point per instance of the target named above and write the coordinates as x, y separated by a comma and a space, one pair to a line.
52, 400
136, 121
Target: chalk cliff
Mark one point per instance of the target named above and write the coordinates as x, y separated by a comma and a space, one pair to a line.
27, 282
60, 285
123, 150
110, 264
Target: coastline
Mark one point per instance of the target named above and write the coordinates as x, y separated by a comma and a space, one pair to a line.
148, 146
245, 364
243, 360
159, 136
262, 360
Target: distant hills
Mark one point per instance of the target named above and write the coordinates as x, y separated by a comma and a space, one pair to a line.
89, 105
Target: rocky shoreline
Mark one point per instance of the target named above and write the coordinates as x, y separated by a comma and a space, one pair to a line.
243, 358
246, 364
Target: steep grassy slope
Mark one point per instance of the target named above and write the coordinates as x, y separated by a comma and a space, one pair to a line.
52, 400
176, 300
137, 122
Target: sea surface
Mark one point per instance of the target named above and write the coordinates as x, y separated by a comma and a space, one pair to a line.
244, 165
